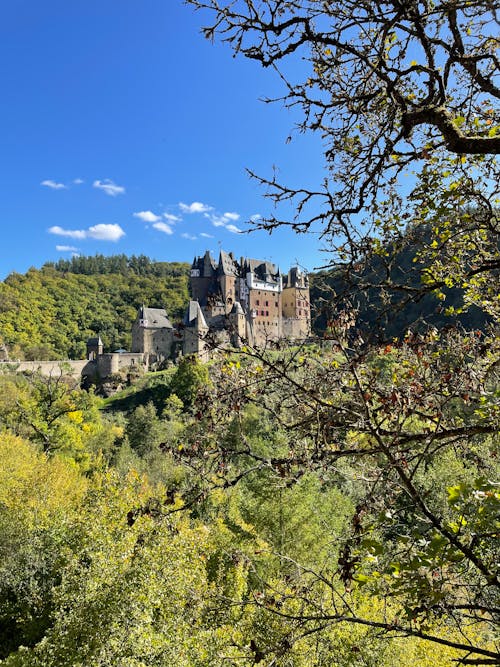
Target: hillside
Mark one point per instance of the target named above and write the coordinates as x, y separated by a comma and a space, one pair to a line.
49, 313
389, 296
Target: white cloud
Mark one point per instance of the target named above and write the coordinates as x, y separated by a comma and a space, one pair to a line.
66, 248
255, 217
171, 217
225, 220
195, 207
78, 181
53, 185
190, 237
104, 232
109, 187
71, 233
163, 227
147, 216
206, 236
100, 232
218, 222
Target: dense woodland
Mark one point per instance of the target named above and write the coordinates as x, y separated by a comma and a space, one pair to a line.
334, 503
49, 313
189, 520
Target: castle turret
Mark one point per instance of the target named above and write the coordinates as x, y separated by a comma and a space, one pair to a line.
195, 331
203, 278
237, 322
95, 347
296, 304
227, 273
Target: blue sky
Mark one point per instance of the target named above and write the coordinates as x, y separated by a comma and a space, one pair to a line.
124, 131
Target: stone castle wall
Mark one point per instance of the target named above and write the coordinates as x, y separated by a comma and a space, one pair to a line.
51, 368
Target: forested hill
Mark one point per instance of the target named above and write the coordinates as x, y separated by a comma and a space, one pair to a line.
390, 296
49, 313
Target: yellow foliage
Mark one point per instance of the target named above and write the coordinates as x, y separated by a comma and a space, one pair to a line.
35, 486
76, 416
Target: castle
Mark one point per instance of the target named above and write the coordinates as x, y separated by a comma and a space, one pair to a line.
234, 302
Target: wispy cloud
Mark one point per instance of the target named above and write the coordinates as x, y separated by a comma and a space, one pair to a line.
147, 216
53, 185
195, 207
255, 217
78, 181
163, 227
171, 217
190, 237
217, 221
109, 187
225, 220
206, 236
70, 233
101, 232
66, 248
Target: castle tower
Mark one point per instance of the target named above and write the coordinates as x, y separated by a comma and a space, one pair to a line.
152, 333
195, 331
237, 322
227, 275
203, 278
296, 305
95, 347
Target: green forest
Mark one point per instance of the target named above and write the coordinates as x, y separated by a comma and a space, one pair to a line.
242, 512
332, 502
50, 313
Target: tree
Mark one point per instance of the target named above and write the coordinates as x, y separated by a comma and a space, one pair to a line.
408, 435
190, 379
39, 499
394, 88
391, 87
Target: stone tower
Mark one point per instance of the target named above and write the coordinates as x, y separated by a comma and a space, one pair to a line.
95, 348
238, 325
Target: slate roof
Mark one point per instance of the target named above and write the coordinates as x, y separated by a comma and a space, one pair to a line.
296, 278
194, 316
206, 265
262, 269
227, 264
94, 340
155, 318
237, 309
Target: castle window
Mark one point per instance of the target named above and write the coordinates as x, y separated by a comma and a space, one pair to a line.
276, 304
267, 303
267, 313
257, 302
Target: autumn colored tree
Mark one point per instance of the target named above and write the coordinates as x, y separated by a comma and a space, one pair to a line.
404, 96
